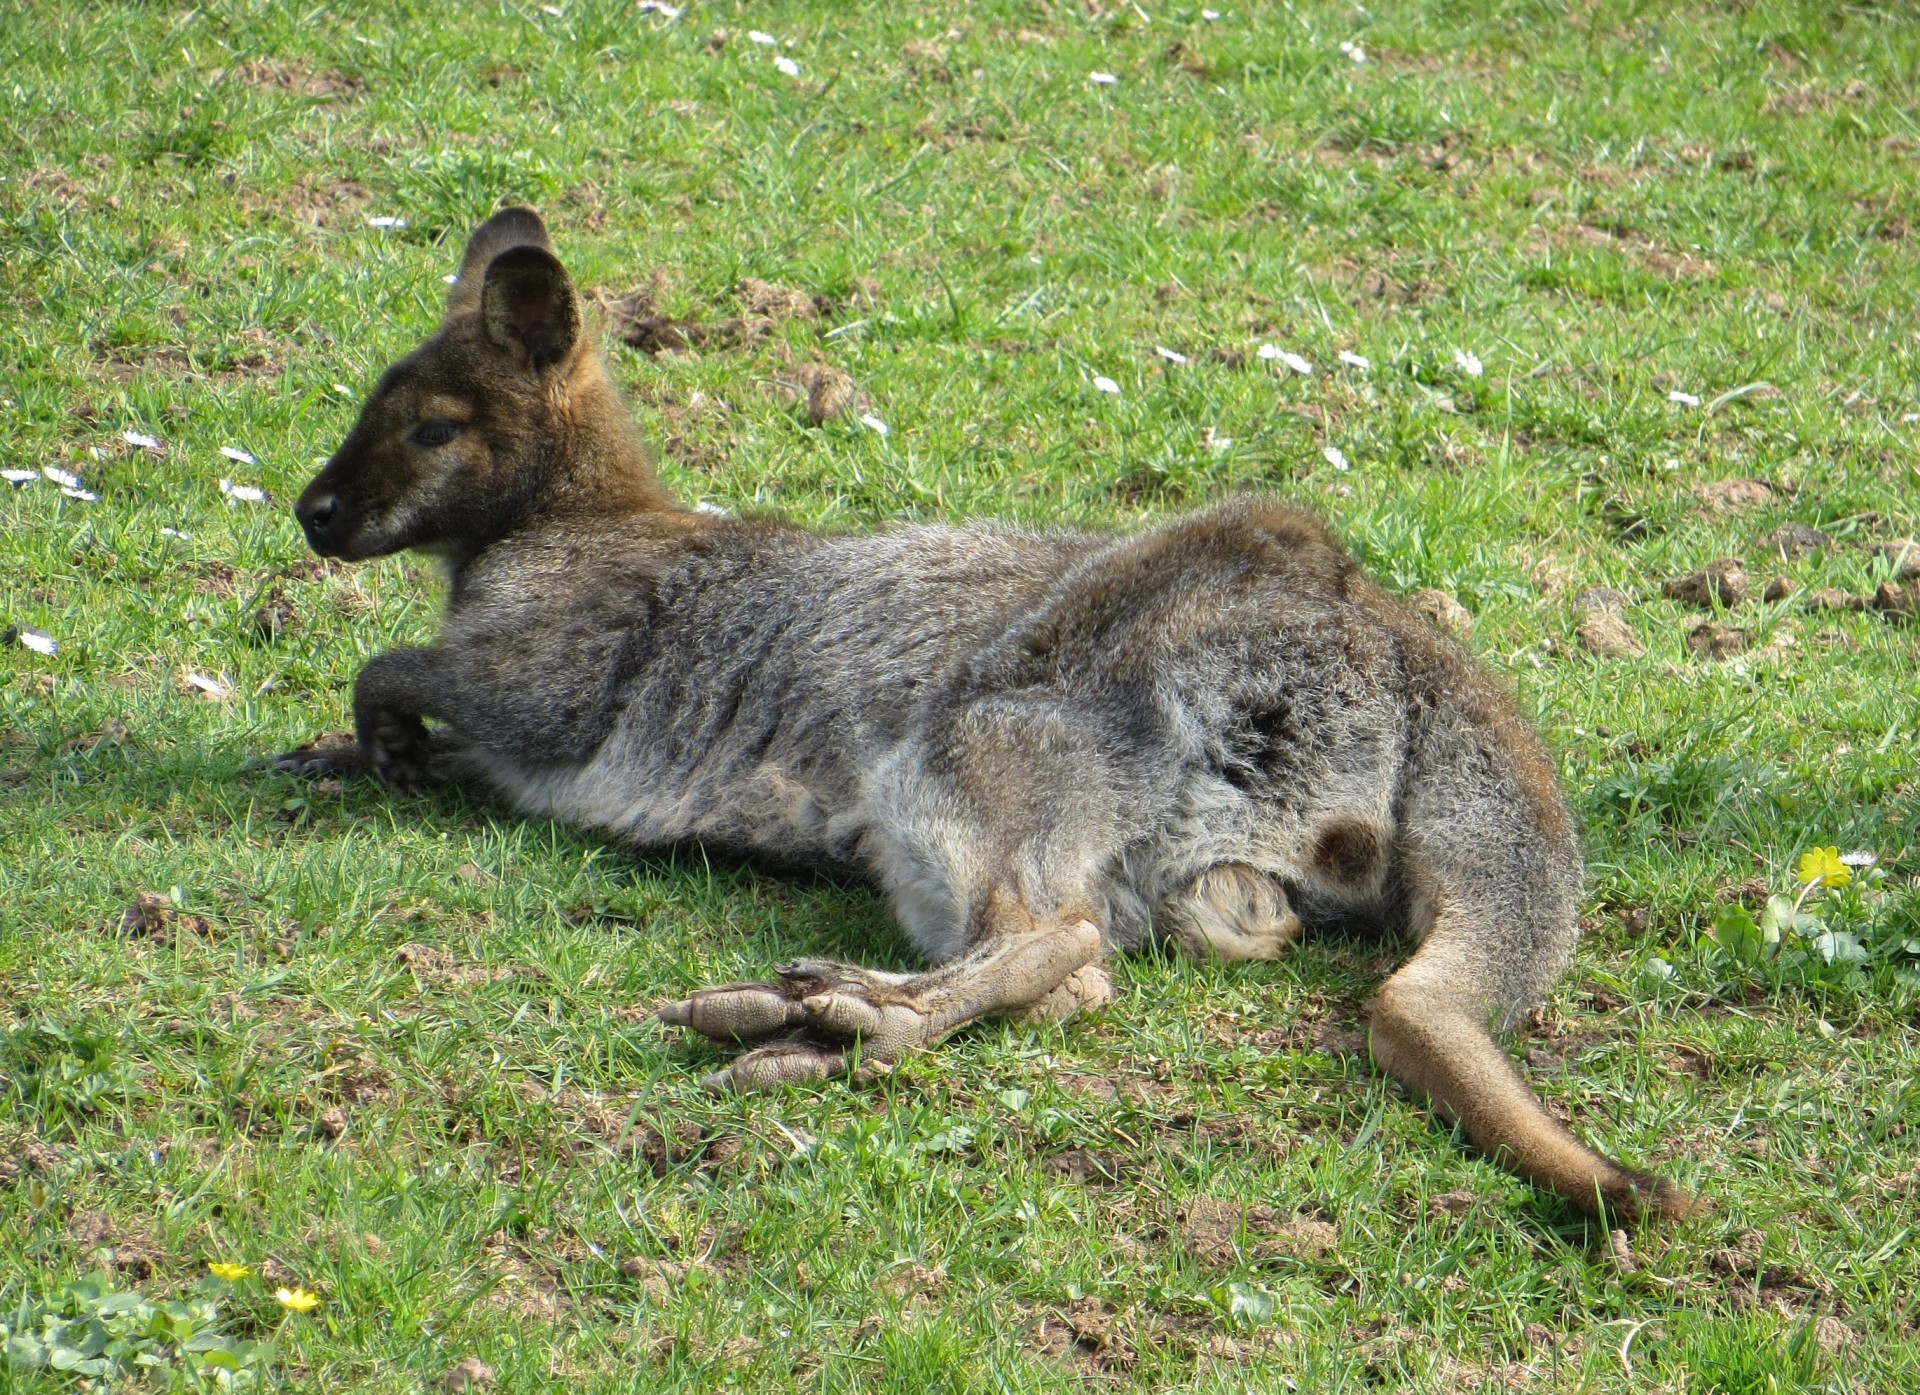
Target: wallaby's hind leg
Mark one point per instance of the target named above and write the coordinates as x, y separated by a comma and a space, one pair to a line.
1231, 911
840, 1014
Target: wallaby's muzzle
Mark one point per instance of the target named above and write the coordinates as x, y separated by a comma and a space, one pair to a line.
322, 518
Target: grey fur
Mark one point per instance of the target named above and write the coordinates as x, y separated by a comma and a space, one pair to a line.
1042, 747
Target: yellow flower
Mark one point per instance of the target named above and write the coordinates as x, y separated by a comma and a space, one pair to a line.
220, 1269
1823, 865
296, 1300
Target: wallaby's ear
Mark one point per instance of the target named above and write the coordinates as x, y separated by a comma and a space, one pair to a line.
506, 230
528, 307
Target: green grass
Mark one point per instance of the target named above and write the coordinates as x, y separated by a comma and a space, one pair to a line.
1604, 202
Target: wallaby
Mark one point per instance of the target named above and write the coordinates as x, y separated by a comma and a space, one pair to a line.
1042, 747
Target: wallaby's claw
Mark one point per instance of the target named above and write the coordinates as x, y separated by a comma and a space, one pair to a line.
333, 754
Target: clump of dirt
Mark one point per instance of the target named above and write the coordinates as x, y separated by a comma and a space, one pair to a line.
1723, 580
1831, 598
778, 303
1715, 642
1600, 629
152, 916
1456, 1203
1086, 1332
1733, 496
24, 1155
661, 1144
469, 1373
1100, 1166
1443, 612
1897, 602
275, 617
915, 1282
1903, 555
823, 390
1792, 540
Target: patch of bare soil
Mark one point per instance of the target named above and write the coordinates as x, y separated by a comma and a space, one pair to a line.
1382, 283
125, 362
1086, 1333
1661, 261
436, 967
660, 1143
1754, 1277
152, 916
278, 75
1733, 496
55, 184
637, 317
1808, 99
24, 1155
252, 353
1223, 1234
95, 1233
1089, 1166
1715, 642
524, 1284
320, 203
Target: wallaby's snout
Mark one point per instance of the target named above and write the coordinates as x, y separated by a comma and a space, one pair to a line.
348, 510
321, 518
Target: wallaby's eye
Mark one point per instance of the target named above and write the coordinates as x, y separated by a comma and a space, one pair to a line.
435, 433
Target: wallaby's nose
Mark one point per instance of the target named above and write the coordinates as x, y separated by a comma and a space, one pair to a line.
318, 516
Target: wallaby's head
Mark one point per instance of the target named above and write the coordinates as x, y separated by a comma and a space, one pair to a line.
506, 409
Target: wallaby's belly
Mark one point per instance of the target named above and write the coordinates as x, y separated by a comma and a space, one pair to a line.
1221, 717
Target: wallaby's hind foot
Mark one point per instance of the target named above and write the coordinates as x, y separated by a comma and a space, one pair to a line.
1088, 987
843, 1016
1426, 1036
1231, 911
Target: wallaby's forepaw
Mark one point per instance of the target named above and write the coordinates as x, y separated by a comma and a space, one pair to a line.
400, 750
336, 753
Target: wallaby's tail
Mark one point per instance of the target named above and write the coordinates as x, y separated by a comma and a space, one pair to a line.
1427, 1034
1492, 874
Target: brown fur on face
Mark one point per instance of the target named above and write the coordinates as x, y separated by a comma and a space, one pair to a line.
531, 422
